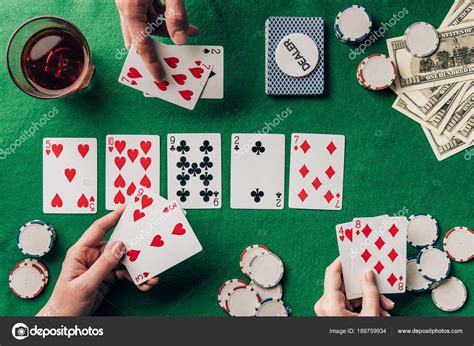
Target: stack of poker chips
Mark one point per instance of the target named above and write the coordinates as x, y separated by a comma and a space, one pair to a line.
29, 276
263, 295
353, 24
430, 269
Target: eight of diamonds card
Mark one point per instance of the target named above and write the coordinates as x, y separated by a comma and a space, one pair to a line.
316, 171
194, 170
69, 175
132, 161
257, 171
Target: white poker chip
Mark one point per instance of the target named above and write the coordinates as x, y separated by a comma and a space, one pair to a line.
433, 264
459, 244
450, 295
36, 238
297, 55
28, 278
241, 301
422, 231
266, 270
224, 290
271, 308
249, 254
275, 292
376, 72
353, 24
421, 39
415, 281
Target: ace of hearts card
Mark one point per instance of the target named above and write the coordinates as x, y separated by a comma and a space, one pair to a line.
316, 171
131, 161
156, 234
69, 175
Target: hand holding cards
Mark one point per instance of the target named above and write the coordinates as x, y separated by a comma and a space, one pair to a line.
191, 72
156, 234
377, 244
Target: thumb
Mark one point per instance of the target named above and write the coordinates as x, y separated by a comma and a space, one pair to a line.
105, 264
370, 295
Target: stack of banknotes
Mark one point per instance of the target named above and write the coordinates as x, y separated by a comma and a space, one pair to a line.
438, 91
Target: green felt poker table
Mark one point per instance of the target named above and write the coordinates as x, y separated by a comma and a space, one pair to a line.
389, 166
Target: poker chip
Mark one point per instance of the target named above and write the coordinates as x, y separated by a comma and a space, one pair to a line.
28, 278
433, 264
376, 72
224, 290
36, 238
422, 231
353, 24
421, 39
271, 307
450, 295
248, 255
302, 63
459, 244
415, 281
266, 270
275, 292
241, 301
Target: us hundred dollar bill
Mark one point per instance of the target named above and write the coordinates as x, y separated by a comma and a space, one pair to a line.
452, 62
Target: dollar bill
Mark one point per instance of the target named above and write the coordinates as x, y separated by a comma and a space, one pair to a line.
463, 15
442, 146
438, 121
466, 131
452, 62
456, 5
462, 113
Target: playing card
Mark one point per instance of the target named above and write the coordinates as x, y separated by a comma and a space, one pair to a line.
131, 161
316, 171
185, 77
156, 234
276, 81
194, 169
69, 175
257, 171
380, 245
345, 238
213, 55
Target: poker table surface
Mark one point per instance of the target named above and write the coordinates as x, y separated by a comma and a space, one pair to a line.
389, 165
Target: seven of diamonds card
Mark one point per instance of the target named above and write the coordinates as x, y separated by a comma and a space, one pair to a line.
257, 171
69, 175
132, 161
316, 171
194, 170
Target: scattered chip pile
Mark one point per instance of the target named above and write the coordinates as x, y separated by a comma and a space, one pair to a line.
29, 276
262, 297
430, 269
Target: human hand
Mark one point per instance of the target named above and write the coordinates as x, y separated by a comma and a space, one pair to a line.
91, 266
334, 301
139, 19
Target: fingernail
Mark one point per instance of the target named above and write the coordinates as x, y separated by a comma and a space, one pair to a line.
117, 248
180, 36
390, 301
369, 275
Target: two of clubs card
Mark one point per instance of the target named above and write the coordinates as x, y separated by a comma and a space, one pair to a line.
377, 244
156, 234
191, 72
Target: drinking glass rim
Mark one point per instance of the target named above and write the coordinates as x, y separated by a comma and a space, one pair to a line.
78, 31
